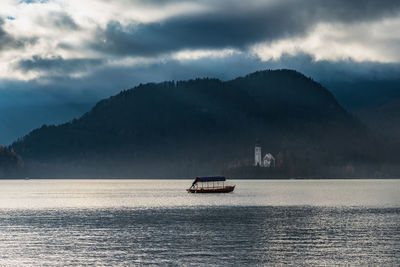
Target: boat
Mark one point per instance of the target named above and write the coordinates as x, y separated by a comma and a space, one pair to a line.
210, 184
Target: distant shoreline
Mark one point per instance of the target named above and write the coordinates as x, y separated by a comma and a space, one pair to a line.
191, 178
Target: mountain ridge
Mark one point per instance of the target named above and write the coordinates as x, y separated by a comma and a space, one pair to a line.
202, 125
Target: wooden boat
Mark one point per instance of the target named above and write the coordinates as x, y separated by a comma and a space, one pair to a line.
215, 184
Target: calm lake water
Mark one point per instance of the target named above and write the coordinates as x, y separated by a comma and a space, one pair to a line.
155, 222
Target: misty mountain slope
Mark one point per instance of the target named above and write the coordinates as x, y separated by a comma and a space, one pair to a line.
202, 125
359, 96
10, 163
384, 120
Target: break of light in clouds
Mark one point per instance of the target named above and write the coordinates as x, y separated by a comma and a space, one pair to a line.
70, 53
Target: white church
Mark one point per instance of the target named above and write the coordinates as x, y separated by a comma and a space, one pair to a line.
268, 161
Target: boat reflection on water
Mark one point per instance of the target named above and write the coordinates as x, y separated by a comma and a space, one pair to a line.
210, 184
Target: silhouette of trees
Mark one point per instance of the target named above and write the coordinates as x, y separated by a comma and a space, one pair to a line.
202, 126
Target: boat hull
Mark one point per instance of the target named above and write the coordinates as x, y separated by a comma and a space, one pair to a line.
225, 189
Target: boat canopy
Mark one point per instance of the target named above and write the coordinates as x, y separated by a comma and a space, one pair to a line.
210, 179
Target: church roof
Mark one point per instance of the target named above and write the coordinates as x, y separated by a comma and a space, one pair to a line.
269, 156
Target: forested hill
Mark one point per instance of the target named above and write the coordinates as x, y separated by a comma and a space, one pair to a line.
201, 127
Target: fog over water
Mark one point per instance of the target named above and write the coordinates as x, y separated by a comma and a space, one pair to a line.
153, 222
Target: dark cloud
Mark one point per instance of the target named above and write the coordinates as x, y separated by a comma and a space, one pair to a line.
7, 41
58, 65
215, 31
236, 25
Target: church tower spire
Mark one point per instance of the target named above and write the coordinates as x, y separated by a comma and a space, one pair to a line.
257, 154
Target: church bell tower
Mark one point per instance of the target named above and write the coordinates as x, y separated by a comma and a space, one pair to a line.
257, 155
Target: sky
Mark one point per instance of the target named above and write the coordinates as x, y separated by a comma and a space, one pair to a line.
58, 57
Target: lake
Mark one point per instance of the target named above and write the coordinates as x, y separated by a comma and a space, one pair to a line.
156, 222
